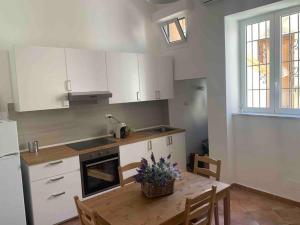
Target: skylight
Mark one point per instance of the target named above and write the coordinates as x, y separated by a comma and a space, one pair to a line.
175, 30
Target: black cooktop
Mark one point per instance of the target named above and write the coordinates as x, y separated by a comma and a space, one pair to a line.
91, 143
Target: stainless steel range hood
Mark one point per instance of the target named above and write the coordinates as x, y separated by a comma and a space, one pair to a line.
89, 96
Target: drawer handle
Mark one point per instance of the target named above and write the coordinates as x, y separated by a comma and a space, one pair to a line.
56, 179
57, 195
55, 163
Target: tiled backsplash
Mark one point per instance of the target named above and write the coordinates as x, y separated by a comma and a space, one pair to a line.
84, 120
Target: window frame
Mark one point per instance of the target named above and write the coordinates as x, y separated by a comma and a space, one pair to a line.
275, 63
179, 29
243, 65
278, 59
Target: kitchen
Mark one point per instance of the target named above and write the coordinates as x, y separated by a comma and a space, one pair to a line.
89, 88
63, 98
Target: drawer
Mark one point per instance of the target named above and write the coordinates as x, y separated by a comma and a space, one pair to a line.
53, 198
53, 168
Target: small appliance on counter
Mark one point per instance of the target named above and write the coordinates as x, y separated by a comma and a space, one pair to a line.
33, 146
120, 128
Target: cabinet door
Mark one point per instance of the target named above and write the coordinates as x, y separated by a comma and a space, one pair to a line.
133, 153
165, 77
53, 198
86, 70
178, 150
148, 77
160, 147
123, 79
39, 78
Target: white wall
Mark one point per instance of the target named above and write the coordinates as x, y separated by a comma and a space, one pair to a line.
123, 25
203, 56
267, 154
260, 152
266, 149
188, 110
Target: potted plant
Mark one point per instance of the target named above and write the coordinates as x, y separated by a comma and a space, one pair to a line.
157, 178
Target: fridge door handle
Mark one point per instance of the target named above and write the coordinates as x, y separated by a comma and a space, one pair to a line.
10, 154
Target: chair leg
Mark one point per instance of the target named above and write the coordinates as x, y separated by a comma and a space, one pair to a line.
216, 214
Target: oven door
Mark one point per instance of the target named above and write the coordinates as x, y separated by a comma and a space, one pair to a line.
100, 174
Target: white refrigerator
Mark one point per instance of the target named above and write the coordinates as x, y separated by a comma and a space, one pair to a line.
12, 210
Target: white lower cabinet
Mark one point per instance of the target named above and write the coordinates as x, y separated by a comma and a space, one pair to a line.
161, 147
53, 198
178, 150
50, 199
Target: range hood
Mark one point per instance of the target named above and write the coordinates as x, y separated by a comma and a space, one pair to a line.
89, 96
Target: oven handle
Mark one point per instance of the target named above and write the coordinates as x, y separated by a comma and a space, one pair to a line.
104, 161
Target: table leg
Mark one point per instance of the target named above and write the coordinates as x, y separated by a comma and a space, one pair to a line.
227, 208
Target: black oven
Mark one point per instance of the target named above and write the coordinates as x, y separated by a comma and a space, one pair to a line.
99, 171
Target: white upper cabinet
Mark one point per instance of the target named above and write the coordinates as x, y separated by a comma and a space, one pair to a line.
86, 70
156, 77
39, 78
165, 77
148, 77
123, 77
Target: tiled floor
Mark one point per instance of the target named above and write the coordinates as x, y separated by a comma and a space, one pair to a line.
248, 208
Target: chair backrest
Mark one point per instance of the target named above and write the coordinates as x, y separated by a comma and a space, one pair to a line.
207, 172
86, 215
123, 169
199, 210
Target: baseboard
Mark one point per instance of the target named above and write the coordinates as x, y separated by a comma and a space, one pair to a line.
266, 194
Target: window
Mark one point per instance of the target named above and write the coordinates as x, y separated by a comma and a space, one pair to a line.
175, 30
270, 63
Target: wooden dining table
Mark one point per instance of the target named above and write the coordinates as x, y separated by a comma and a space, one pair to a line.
128, 205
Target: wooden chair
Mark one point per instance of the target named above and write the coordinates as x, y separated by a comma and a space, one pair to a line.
207, 172
123, 169
199, 210
86, 215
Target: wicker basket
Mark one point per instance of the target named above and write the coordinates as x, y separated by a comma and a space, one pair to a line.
152, 191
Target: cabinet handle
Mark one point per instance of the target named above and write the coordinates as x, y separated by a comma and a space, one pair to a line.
149, 145
68, 85
157, 93
66, 101
55, 163
171, 140
56, 179
57, 195
138, 95
168, 140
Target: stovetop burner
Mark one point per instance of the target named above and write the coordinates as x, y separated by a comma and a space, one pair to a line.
91, 143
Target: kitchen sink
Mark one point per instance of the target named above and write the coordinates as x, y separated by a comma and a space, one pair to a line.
155, 130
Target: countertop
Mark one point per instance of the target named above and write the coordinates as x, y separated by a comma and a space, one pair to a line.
60, 152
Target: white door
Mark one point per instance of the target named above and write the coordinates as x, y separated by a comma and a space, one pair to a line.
148, 77
132, 153
40, 78
86, 70
123, 79
160, 147
165, 77
12, 210
178, 150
